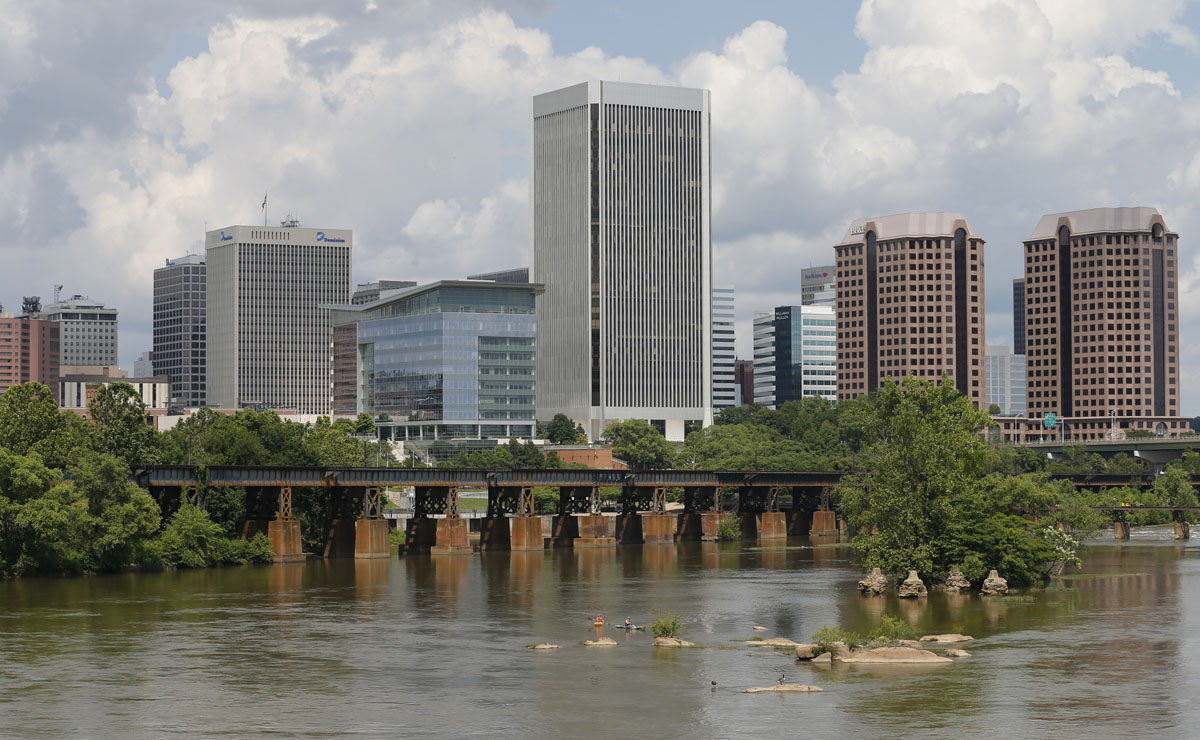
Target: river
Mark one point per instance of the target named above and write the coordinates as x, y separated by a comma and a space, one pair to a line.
435, 647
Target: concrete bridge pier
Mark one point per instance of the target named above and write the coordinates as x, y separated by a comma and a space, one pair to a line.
629, 528
283, 531
445, 536
1183, 530
824, 523
1121, 530
593, 532
659, 529
564, 530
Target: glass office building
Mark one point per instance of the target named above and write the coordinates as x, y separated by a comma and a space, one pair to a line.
449, 361
795, 354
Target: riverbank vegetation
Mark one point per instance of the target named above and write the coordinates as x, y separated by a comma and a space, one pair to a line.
66, 506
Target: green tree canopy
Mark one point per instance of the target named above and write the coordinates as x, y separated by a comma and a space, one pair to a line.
119, 416
639, 444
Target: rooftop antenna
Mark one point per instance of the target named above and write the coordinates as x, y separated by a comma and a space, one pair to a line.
57, 291
264, 208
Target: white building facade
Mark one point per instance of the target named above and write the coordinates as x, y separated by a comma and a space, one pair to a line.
795, 350
87, 331
724, 353
1006, 381
621, 231
269, 328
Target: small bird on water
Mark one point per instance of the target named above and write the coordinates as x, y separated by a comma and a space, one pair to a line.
782, 678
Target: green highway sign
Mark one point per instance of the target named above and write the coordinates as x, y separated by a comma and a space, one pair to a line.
1051, 420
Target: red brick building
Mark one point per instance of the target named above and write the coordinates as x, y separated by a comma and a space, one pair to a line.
29, 351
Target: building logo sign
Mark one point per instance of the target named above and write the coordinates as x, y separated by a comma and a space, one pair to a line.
816, 275
322, 238
225, 237
858, 229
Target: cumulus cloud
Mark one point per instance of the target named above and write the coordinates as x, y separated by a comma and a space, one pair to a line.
408, 123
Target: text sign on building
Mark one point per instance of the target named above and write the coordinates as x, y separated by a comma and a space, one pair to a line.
860, 228
1051, 420
322, 238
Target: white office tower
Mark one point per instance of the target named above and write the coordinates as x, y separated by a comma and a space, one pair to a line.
269, 328
622, 239
724, 354
88, 331
764, 358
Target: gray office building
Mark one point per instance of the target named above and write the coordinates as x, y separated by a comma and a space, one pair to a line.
1019, 317
269, 330
622, 240
795, 354
365, 293
180, 330
88, 331
818, 286
724, 354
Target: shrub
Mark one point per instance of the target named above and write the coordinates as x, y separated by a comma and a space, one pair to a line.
827, 639
668, 625
729, 529
891, 630
192, 540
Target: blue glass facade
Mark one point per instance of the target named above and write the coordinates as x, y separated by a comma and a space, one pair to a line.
449, 361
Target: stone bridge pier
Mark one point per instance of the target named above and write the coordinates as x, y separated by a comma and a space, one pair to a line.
446, 535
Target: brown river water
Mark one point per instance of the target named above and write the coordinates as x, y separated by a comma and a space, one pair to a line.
435, 647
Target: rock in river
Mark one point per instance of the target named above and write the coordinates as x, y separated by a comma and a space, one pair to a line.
893, 655
912, 587
874, 583
994, 585
951, 637
672, 642
784, 688
544, 646
956, 653
806, 652
601, 642
772, 642
956, 581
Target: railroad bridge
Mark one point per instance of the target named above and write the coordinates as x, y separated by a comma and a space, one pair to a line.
357, 528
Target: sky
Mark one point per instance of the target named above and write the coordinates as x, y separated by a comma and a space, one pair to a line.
127, 127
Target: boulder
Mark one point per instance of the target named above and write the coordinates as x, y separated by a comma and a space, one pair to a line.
672, 642
806, 652
912, 587
784, 688
893, 655
772, 642
994, 585
956, 653
873, 583
544, 646
911, 643
956, 581
823, 658
601, 642
951, 637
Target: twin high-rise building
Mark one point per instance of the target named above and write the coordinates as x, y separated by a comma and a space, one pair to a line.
180, 332
1102, 322
269, 327
620, 193
910, 301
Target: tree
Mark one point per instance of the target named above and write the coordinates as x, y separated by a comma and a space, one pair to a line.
120, 517
28, 414
119, 416
562, 431
364, 425
994, 409
639, 444
921, 502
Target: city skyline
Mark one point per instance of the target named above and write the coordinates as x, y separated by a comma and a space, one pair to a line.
820, 115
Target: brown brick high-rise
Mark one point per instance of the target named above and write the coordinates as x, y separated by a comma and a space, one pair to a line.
1101, 322
910, 300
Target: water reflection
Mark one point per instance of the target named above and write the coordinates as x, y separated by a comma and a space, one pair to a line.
435, 645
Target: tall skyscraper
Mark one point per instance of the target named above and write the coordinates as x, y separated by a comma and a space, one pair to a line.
622, 239
795, 350
818, 286
910, 301
29, 352
87, 331
724, 353
1019, 316
180, 331
1102, 322
269, 328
